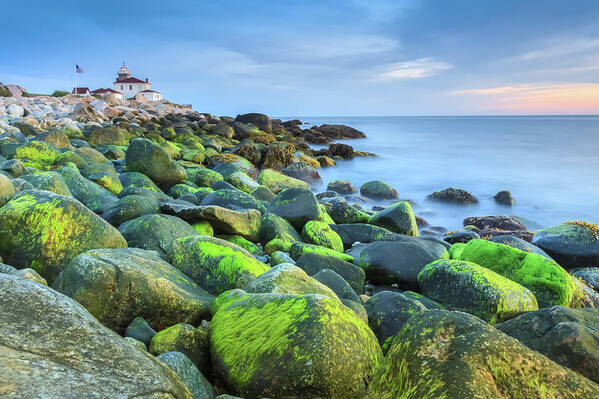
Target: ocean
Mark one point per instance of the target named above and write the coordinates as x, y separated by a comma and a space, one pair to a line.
549, 163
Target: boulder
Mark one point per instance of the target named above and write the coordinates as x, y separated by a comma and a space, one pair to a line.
590, 275
454, 355
569, 337
341, 212
261, 121
296, 205
150, 159
361, 232
573, 244
342, 187
156, 232
49, 342
7, 190
313, 263
232, 199
453, 195
184, 338
550, 284
461, 237
377, 189
45, 231
397, 218
129, 207
189, 374
320, 233
337, 283
504, 198
491, 226
300, 248
303, 171
341, 150
140, 330
476, 290
104, 175
49, 181
117, 285
246, 223
277, 181
217, 265
333, 131
204, 177
399, 262
92, 195
292, 346
388, 312
518, 243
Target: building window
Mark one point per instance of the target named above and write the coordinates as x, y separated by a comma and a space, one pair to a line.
130, 87
121, 87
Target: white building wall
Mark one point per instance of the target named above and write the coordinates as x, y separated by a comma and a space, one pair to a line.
129, 90
152, 96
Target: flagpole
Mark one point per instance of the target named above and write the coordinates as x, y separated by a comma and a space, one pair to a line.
75, 81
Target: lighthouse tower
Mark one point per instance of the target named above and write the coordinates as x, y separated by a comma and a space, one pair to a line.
123, 73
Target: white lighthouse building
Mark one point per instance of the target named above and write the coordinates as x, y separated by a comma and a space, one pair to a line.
131, 86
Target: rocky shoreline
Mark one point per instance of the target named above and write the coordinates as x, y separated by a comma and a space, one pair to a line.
149, 250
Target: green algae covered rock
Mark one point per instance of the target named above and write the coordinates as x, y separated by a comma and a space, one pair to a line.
320, 233
242, 242
138, 180
246, 223
476, 290
398, 218
45, 231
189, 374
341, 212
572, 244
378, 190
550, 284
232, 199
184, 338
51, 347
300, 248
129, 207
92, 195
277, 181
203, 228
290, 346
454, 355
156, 232
37, 151
216, 265
323, 215
49, 181
296, 205
204, 177
275, 227
117, 285
288, 279
242, 181
150, 159
104, 175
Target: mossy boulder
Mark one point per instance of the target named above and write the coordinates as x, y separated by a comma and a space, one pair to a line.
232, 199
92, 195
150, 159
156, 232
337, 283
109, 135
90, 155
398, 218
184, 338
275, 227
292, 346
263, 193
129, 207
454, 355
377, 189
399, 262
476, 290
341, 187
242, 242
277, 181
51, 347
246, 223
550, 284
37, 151
341, 212
320, 233
117, 285
204, 177
288, 279
49, 181
215, 264
574, 244
243, 182
567, 336
138, 180
7, 190
388, 312
300, 248
362, 232
313, 263
296, 205
203, 228
104, 175
45, 231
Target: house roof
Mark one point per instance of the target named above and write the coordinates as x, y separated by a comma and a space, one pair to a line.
130, 80
102, 91
80, 90
148, 91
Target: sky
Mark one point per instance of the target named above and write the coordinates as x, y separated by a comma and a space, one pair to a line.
318, 58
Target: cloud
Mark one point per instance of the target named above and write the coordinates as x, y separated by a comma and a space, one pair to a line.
567, 98
414, 69
560, 48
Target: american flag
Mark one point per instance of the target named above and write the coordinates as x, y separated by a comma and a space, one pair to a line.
78, 69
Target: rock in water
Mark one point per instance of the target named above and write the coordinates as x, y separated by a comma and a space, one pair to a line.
153, 161
281, 345
117, 285
569, 337
551, 284
574, 244
476, 290
51, 347
45, 231
453, 355
296, 205
378, 190
397, 218
215, 264
453, 195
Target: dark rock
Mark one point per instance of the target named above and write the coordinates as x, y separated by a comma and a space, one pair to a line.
184, 338
453, 196
302, 171
378, 190
140, 330
129, 207
518, 243
574, 244
341, 187
397, 218
504, 198
312, 263
491, 226
296, 205
361, 232
341, 212
232, 199
337, 283
189, 374
339, 131
589, 275
261, 121
461, 236
567, 336
341, 150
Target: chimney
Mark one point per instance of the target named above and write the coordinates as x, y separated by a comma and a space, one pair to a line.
146, 80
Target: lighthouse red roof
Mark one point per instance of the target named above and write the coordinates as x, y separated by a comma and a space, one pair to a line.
130, 80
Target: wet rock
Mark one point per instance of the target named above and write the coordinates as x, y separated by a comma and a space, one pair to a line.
453, 195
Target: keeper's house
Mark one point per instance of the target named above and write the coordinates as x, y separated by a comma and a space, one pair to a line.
130, 86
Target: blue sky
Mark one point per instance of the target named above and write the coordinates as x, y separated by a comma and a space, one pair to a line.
352, 57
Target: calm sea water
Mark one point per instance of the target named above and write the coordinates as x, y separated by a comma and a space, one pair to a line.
549, 163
